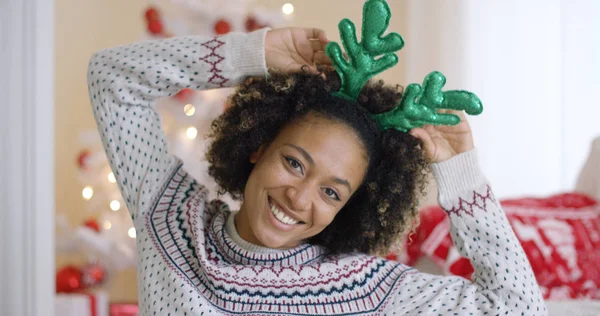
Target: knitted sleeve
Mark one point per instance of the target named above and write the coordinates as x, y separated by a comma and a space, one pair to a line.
503, 282
124, 82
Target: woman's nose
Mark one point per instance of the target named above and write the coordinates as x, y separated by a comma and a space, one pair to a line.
300, 197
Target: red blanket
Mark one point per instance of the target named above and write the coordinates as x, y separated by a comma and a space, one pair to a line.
560, 235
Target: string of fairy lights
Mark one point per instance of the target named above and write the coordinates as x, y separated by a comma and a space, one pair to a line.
115, 205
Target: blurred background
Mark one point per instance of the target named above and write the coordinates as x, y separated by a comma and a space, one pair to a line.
534, 64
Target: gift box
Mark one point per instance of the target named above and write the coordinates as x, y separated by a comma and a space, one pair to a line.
124, 310
82, 304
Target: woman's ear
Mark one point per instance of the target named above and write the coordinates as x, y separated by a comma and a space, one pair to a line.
255, 156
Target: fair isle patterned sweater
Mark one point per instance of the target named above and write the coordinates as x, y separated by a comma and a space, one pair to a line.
193, 262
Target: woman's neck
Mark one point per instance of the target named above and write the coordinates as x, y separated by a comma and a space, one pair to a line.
242, 226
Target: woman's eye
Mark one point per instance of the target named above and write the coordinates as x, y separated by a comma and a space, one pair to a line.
332, 194
294, 164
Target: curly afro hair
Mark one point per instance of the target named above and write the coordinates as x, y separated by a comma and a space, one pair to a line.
383, 209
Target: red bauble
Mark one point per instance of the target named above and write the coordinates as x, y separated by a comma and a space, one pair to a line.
68, 280
184, 95
392, 256
92, 224
155, 27
251, 24
92, 275
82, 159
152, 14
222, 27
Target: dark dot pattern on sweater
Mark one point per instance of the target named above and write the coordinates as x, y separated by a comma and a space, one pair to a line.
124, 83
187, 262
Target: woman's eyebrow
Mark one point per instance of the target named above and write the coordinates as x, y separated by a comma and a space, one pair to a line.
303, 153
308, 158
342, 182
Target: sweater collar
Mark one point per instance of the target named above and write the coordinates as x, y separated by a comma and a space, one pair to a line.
231, 231
240, 251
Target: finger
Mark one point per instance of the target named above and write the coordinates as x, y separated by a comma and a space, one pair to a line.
431, 130
322, 58
313, 70
315, 33
460, 114
447, 119
426, 140
317, 46
302, 68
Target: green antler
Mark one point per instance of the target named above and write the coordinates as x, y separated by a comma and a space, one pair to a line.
419, 105
362, 64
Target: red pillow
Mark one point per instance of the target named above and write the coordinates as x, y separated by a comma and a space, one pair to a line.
560, 235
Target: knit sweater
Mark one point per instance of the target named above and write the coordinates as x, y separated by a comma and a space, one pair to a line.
191, 260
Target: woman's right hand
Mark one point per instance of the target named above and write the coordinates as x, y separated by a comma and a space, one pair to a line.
289, 49
444, 142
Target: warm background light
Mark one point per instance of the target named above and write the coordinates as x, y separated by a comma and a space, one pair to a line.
191, 133
87, 193
106, 225
131, 232
111, 178
115, 205
189, 109
288, 8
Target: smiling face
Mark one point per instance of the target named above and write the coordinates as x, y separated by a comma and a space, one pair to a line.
300, 181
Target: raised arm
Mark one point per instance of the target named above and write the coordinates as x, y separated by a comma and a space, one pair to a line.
124, 82
503, 282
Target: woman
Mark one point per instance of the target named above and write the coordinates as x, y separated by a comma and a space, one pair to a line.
322, 189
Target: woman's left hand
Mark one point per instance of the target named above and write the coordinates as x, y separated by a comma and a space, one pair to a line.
441, 143
289, 49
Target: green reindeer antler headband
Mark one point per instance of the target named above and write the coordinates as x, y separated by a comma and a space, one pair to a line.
419, 104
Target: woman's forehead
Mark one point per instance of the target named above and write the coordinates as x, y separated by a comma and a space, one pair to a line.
322, 134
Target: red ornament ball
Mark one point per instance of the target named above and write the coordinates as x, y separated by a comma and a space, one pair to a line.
152, 14
251, 24
392, 256
82, 159
68, 280
92, 275
155, 27
92, 224
222, 27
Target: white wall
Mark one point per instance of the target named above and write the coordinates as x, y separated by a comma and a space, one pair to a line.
532, 63
26, 160
581, 82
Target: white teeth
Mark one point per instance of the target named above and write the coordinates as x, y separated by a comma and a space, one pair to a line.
281, 216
